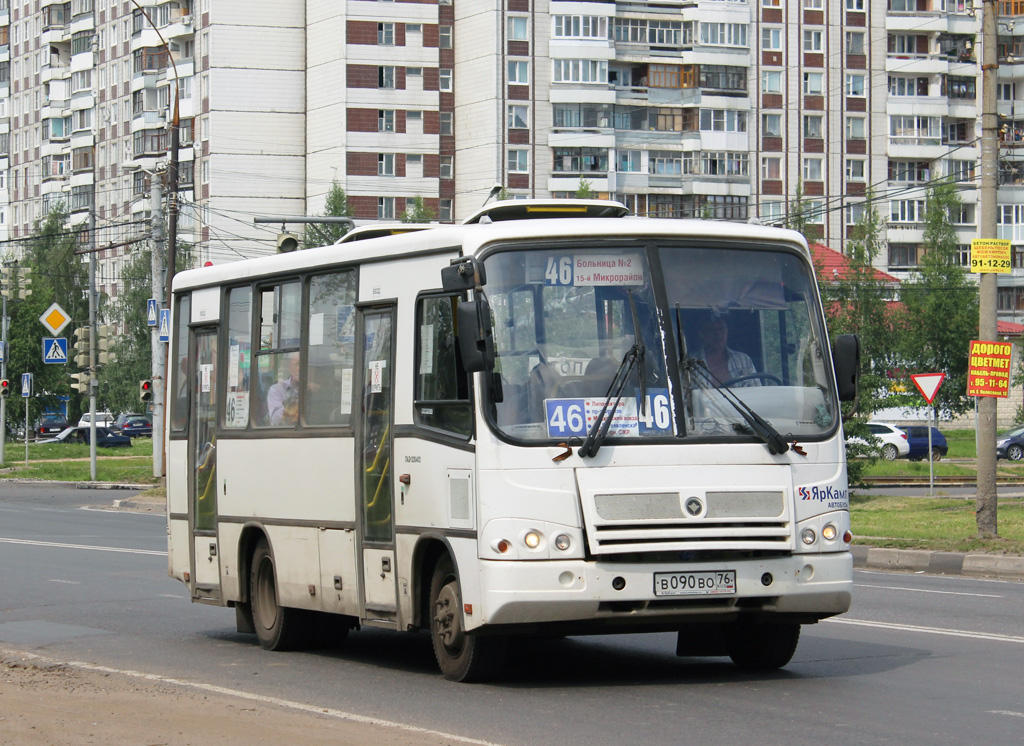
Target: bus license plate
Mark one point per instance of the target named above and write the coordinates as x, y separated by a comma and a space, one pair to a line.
707, 583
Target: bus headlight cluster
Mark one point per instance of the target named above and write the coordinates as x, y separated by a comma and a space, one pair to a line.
532, 540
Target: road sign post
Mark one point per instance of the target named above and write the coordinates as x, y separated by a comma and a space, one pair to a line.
26, 392
928, 384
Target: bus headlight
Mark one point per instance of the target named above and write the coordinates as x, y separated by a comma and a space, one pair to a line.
562, 542
829, 532
807, 536
531, 539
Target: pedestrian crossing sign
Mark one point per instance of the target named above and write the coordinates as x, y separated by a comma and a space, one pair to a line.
55, 350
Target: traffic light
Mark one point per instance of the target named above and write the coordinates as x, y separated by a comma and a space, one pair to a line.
16, 282
82, 347
287, 242
104, 354
81, 382
5, 388
146, 390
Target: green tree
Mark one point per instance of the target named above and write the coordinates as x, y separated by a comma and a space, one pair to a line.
58, 275
585, 190
941, 304
856, 300
335, 206
799, 216
418, 213
119, 384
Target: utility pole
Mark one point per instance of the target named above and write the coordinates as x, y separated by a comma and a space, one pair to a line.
93, 382
987, 498
156, 349
5, 323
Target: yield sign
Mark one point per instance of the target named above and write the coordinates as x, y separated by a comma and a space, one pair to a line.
928, 384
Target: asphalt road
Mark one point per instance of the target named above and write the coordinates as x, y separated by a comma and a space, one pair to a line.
918, 660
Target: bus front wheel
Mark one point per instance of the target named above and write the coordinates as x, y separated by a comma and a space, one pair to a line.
762, 647
461, 656
277, 627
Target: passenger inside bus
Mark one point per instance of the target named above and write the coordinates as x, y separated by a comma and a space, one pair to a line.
725, 363
283, 396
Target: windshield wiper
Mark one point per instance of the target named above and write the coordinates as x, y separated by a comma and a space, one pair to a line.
684, 369
760, 427
634, 357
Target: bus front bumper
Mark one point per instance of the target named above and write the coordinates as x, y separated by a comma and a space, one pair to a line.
604, 594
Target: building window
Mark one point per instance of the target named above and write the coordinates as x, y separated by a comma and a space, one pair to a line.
855, 42
812, 126
771, 39
855, 169
386, 76
444, 37
1006, 91
813, 83
628, 161
855, 128
900, 85
444, 210
575, 27
771, 167
579, 71
812, 40
771, 81
812, 4
386, 120
772, 212
386, 164
961, 170
386, 34
771, 125
385, 208
446, 123
519, 28
854, 84
902, 255
812, 169
911, 172
519, 73
854, 212
446, 167
665, 163
771, 3
906, 210
518, 161
723, 120
580, 160
855, 5
445, 79
518, 116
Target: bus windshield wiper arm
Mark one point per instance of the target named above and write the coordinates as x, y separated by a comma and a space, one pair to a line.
634, 357
776, 443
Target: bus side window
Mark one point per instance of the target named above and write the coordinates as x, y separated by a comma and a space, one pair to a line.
239, 363
181, 373
330, 349
442, 399
277, 385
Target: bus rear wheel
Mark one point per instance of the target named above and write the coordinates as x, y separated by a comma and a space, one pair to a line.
762, 647
277, 627
461, 656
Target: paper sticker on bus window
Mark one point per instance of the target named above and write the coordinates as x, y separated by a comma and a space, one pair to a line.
574, 417
346, 391
377, 376
316, 329
608, 269
426, 349
238, 409
205, 377
233, 355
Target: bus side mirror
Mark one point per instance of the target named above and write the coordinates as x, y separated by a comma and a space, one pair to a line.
846, 360
476, 340
465, 273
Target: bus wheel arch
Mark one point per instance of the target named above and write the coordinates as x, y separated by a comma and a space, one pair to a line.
277, 627
461, 656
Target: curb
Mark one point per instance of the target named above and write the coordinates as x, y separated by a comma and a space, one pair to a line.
999, 566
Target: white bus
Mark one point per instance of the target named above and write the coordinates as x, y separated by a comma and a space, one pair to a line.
552, 419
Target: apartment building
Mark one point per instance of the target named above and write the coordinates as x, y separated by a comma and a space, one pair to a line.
726, 109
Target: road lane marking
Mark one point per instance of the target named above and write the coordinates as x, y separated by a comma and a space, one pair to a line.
259, 698
925, 590
68, 582
61, 545
1011, 713
930, 630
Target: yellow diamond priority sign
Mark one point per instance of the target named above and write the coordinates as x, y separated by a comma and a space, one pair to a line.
55, 318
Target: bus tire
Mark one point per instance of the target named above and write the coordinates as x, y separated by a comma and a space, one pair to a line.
277, 627
762, 647
460, 656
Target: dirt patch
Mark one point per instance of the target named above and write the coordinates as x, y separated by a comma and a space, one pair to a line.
45, 704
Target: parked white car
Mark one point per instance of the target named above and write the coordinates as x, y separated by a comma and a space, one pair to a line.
103, 419
892, 442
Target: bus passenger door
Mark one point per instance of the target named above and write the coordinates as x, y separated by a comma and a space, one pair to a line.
202, 454
374, 467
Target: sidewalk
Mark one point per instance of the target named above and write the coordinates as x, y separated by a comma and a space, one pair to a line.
998, 566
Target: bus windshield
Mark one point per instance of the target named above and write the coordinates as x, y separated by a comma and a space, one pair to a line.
703, 335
